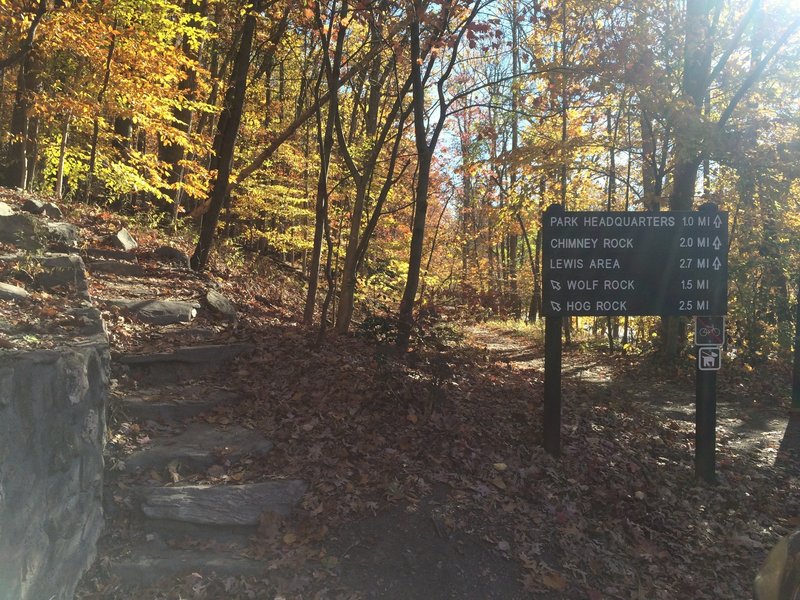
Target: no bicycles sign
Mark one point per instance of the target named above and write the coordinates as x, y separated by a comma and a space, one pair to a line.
709, 331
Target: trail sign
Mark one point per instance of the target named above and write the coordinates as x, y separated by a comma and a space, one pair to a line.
709, 331
635, 263
709, 358
638, 263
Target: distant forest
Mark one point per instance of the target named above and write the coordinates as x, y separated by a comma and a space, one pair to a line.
400, 154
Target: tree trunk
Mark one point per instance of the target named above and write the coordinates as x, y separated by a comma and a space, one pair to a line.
424, 157
325, 143
225, 140
16, 165
62, 155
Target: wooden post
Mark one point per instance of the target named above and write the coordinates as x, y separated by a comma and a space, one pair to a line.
552, 385
705, 433
796, 369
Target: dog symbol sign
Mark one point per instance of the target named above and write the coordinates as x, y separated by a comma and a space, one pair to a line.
709, 359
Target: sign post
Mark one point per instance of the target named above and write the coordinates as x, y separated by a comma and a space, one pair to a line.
705, 425
552, 385
796, 363
670, 263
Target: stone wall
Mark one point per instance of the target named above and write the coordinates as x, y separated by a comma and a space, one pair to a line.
52, 430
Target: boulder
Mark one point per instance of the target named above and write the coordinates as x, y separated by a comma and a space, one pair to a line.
23, 231
33, 206
170, 255
221, 304
65, 270
52, 211
6, 210
62, 235
124, 240
779, 576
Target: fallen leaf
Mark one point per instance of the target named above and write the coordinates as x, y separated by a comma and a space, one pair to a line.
555, 581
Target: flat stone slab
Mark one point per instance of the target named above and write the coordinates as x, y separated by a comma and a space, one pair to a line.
146, 565
199, 447
159, 312
160, 404
9, 291
231, 505
182, 364
208, 353
104, 253
115, 267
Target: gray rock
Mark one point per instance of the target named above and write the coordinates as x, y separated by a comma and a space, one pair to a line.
33, 206
12, 292
6, 210
115, 267
52, 428
22, 230
63, 234
159, 312
170, 255
52, 211
199, 447
65, 270
236, 505
221, 304
124, 240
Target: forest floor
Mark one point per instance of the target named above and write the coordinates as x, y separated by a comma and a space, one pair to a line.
425, 473
427, 478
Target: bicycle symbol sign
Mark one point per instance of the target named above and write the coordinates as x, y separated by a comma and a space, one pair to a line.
709, 331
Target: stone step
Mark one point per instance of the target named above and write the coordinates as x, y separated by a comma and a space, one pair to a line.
231, 505
115, 267
174, 403
150, 563
198, 447
107, 254
158, 312
182, 364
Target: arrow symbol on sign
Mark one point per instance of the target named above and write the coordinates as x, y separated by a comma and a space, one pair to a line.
555, 284
717, 243
717, 264
555, 306
718, 222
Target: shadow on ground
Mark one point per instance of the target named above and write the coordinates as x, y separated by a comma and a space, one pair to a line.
398, 554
